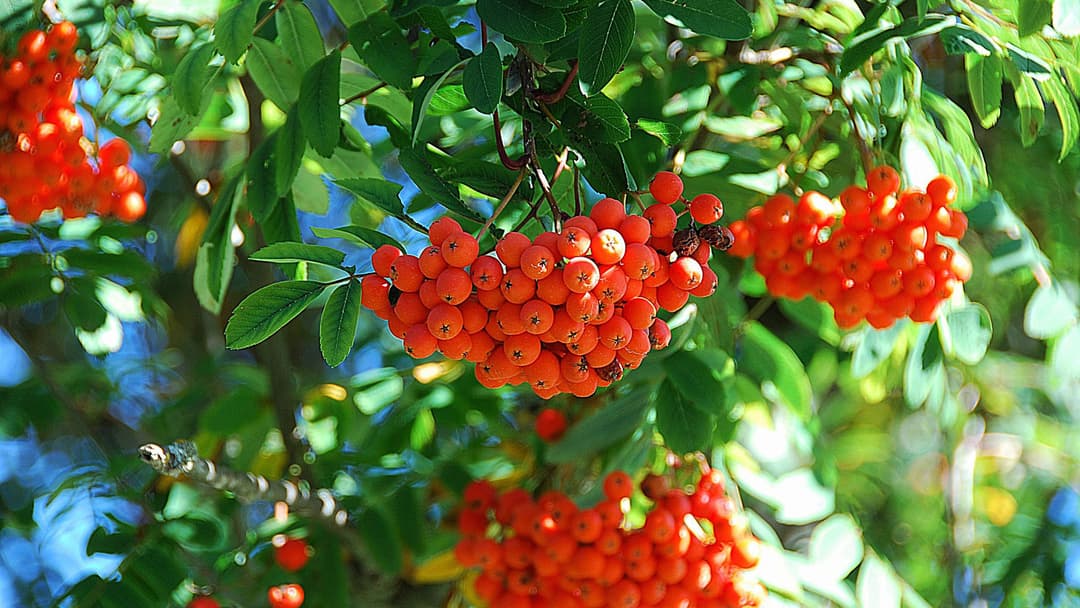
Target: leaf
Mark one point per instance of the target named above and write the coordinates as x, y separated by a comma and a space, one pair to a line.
376, 530
84, 311
379, 116
605, 167
876, 346
364, 237
383, 48
958, 132
1066, 17
725, 19
960, 39
275, 73
670, 134
421, 102
769, 360
125, 263
337, 327
685, 428
448, 100
877, 585
173, 123
429, 182
741, 127
320, 114
812, 315
606, 37
801, 498
699, 376
214, 260
289, 148
1029, 64
483, 79
970, 332
353, 11
862, 47
260, 194
267, 310
1033, 15
924, 370
609, 425
522, 20
299, 34
235, 28
1067, 112
984, 84
598, 118
287, 251
379, 192
192, 76
836, 547
1049, 312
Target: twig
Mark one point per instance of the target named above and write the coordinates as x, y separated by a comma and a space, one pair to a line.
502, 204
545, 188
269, 15
559, 93
363, 95
182, 459
509, 163
577, 190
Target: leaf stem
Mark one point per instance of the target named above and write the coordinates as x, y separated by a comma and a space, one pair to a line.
502, 204
559, 93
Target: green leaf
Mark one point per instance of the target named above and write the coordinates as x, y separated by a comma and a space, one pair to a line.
337, 327
924, 370
354, 11
685, 428
289, 148
877, 584
1030, 103
407, 510
1064, 359
876, 346
958, 132
801, 498
670, 134
84, 311
1066, 17
769, 360
1033, 15
125, 263
960, 39
173, 123
1067, 112
288, 251
1049, 312
379, 192
275, 72
725, 19
421, 102
192, 76
267, 310
299, 34
605, 167
429, 182
379, 116
984, 84
522, 20
605, 42
234, 29
864, 46
383, 48
836, 547
229, 413
260, 194
699, 376
970, 332
483, 79
358, 235
320, 114
811, 314
741, 127
448, 100
214, 260
598, 118
609, 425
376, 530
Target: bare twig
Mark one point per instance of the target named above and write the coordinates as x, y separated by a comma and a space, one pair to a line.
502, 204
559, 93
363, 95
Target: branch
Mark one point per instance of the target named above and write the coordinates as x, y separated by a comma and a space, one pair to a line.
502, 204
182, 459
559, 93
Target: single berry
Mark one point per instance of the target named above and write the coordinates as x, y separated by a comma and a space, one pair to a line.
286, 596
550, 425
292, 555
666, 187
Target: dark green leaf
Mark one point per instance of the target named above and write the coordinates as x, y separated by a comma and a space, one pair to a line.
1067, 113
364, 237
127, 263
605, 167
984, 84
1033, 15
605, 41
299, 34
408, 513
725, 19
1029, 64
812, 315
483, 79
921, 7
429, 182
337, 327
377, 531
320, 114
192, 76
214, 261
119, 542
485, 177
770, 361
261, 195
235, 28
289, 147
282, 225
598, 118
961, 39
353, 11
28, 279
379, 116
231, 412
425, 93
275, 73
267, 310
699, 375
610, 424
83, 309
522, 20
969, 332
670, 134
379, 192
383, 48
864, 46
685, 428
876, 346
287, 251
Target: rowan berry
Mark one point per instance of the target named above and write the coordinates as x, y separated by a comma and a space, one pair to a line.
442, 228
522, 349
292, 554
537, 262
517, 287
662, 219
405, 273
942, 191
130, 207
510, 247
584, 222
671, 297
286, 596
659, 335
608, 213
453, 285
882, 181
203, 602
706, 209
431, 262
635, 229
666, 187
608, 246
574, 242
460, 249
419, 342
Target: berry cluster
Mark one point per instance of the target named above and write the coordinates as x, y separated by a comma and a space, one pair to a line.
44, 160
880, 262
693, 549
566, 311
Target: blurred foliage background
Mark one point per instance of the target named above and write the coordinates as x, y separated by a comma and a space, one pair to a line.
881, 468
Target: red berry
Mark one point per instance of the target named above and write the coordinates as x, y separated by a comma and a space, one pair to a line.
706, 209
666, 187
203, 602
292, 555
550, 425
286, 596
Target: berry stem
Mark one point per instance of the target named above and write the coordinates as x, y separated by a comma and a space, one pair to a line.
545, 188
559, 93
864, 148
577, 190
509, 163
502, 204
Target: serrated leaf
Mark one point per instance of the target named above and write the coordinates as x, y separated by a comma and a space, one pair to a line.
235, 28
337, 326
430, 183
1049, 312
299, 34
958, 132
610, 424
173, 123
192, 76
260, 194
289, 148
670, 134
1029, 64
376, 530
863, 46
605, 167
383, 48
1066, 17
836, 547
379, 116
379, 192
606, 37
984, 76
769, 360
354, 11
699, 375
320, 114
876, 346
358, 235
267, 310
960, 39
1030, 103
483, 79
288, 251
598, 118
877, 584
725, 19
685, 428
275, 73
1067, 113
522, 20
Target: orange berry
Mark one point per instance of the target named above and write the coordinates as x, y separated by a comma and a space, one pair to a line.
292, 555
537, 316
615, 334
584, 222
666, 187
114, 153
942, 190
608, 213
130, 207
537, 262
608, 246
510, 247
916, 206
779, 210
286, 596
919, 282
574, 242
635, 229
706, 209
882, 181
460, 249
419, 342
517, 287
442, 228
431, 262
855, 200
671, 298
405, 273
444, 321
522, 349
662, 219
453, 285
685, 273
582, 306
659, 334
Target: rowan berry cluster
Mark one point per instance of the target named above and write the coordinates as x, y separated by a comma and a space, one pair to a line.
565, 312
45, 160
693, 549
880, 261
